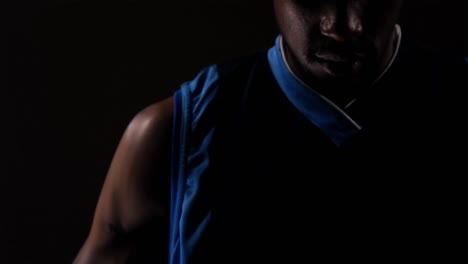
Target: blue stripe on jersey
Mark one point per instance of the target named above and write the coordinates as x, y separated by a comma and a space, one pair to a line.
189, 164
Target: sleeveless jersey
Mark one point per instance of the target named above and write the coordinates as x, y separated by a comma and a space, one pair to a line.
266, 169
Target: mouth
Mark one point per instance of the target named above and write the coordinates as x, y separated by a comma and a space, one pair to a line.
332, 57
337, 65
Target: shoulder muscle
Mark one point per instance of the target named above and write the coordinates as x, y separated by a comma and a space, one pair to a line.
136, 189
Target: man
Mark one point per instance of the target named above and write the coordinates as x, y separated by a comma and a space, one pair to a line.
320, 146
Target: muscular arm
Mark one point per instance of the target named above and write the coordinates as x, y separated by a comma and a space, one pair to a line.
132, 210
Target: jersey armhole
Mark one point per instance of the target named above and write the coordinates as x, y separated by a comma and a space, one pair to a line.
180, 129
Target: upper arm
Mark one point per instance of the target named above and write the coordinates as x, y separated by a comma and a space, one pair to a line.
135, 193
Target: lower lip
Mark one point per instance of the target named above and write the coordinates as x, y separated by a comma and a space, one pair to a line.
335, 69
329, 69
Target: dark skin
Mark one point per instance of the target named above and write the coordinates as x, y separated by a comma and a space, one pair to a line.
132, 207
337, 47
355, 41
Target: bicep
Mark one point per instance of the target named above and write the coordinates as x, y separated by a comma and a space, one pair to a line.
133, 204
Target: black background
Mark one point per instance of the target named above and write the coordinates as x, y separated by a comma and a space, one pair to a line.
74, 72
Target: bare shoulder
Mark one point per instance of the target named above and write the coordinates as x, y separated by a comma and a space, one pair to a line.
139, 172
134, 199
153, 118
